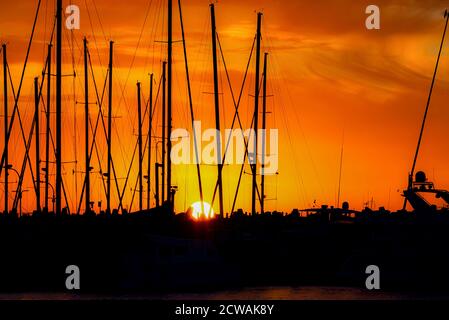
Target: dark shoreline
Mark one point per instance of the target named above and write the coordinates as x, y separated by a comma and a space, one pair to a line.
158, 253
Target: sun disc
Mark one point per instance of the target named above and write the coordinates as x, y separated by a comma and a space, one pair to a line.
197, 210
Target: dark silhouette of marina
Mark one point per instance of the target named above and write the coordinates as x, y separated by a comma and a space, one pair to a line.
156, 249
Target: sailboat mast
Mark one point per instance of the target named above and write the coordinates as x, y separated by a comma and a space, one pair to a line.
139, 112
412, 172
156, 181
164, 75
150, 124
264, 122
86, 125
36, 127
217, 108
169, 100
195, 138
58, 105
5, 115
256, 114
47, 130
108, 183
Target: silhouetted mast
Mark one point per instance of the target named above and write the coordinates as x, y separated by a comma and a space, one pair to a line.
217, 107
169, 100
47, 129
164, 71
150, 127
264, 119
5, 115
256, 114
195, 138
36, 127
86, 124
156, 175
58, 105
139, 112
412, 172
108, 183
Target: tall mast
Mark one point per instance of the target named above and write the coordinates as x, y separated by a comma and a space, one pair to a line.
256, 114
5, 115
47, 129
195, 138
264, 127
217, 107
169, 100
139, 112
36, 127
108, 195
410, 179
86, 124
150, 123
58, 105
164, 71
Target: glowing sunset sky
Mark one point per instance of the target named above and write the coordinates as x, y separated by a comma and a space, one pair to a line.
332, 80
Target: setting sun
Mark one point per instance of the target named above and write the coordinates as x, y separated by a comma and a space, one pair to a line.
197, 210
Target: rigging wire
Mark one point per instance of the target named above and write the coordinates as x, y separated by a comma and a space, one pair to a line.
16, 108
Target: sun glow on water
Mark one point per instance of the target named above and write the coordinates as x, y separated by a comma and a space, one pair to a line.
197, 211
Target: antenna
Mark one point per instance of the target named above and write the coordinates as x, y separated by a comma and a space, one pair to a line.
340, 170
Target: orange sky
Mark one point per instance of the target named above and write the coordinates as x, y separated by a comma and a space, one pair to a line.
329, 76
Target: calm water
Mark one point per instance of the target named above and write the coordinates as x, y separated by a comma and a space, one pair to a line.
263, 293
